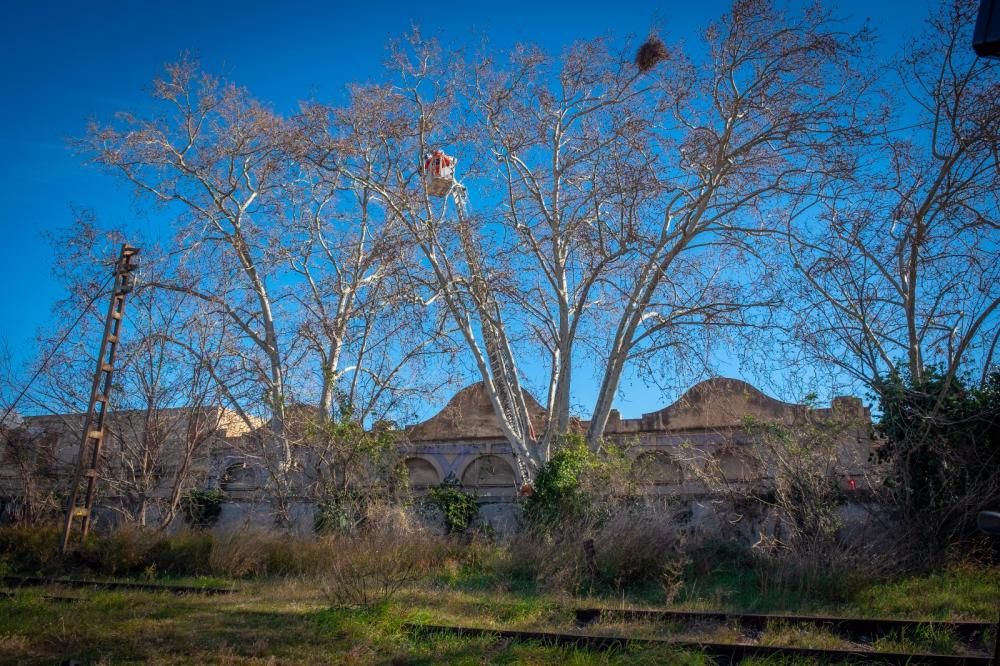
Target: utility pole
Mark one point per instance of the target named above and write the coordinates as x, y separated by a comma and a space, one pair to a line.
100, 390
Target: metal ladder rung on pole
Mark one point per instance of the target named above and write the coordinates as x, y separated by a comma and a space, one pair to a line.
89, 455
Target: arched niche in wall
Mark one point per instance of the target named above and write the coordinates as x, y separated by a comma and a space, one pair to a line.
657, 468
240, 478
734, 466
422, 474
489, 476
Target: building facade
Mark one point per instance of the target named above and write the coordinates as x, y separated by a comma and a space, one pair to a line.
687, 449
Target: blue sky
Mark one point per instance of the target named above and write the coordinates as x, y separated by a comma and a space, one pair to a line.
66, 62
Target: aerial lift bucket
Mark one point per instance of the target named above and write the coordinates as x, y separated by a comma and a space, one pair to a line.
439, 173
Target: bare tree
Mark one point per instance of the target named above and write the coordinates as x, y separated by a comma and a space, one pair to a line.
899, 271
304, 292
27, 455
753, 127
358, 312
624, 198
167, 410
216, 158
377, 143
574, 142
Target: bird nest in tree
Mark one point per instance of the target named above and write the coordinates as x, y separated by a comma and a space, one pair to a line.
650, 53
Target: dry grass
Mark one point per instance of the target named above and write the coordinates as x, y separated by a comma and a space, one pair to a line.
802, 636
346, 597
372, 568
630, 548
290, 620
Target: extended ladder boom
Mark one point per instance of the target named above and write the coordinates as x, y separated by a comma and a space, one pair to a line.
495, 340
439, 180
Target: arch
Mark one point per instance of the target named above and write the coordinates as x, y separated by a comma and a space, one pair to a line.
488, 471
657, 468
239, 477
422, 473
733, 466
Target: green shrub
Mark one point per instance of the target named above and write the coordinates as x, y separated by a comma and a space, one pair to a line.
458, 507
330, 516
29, 549
124, 552
567, 484
340, 512
184, 554
942, 445
202, 508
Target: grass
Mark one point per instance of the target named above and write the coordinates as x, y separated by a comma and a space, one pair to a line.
802, 636
284, 611
283, 620
921, 639
290, 620
962, 592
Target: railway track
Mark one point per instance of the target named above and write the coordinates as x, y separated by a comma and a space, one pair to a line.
7, 594
34, 581
863, 630
857, 630
724, 652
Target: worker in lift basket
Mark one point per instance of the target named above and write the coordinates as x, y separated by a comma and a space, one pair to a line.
439, 169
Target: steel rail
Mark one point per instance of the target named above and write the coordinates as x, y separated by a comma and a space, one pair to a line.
853, 627
31, 581
8, 594
728, 652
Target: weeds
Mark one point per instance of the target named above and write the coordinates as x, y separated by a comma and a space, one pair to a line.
635, 554
396, 574
370, 569
921, 639
634, 547
28, 549
458, 508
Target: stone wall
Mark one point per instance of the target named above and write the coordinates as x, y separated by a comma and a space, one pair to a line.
673, 449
